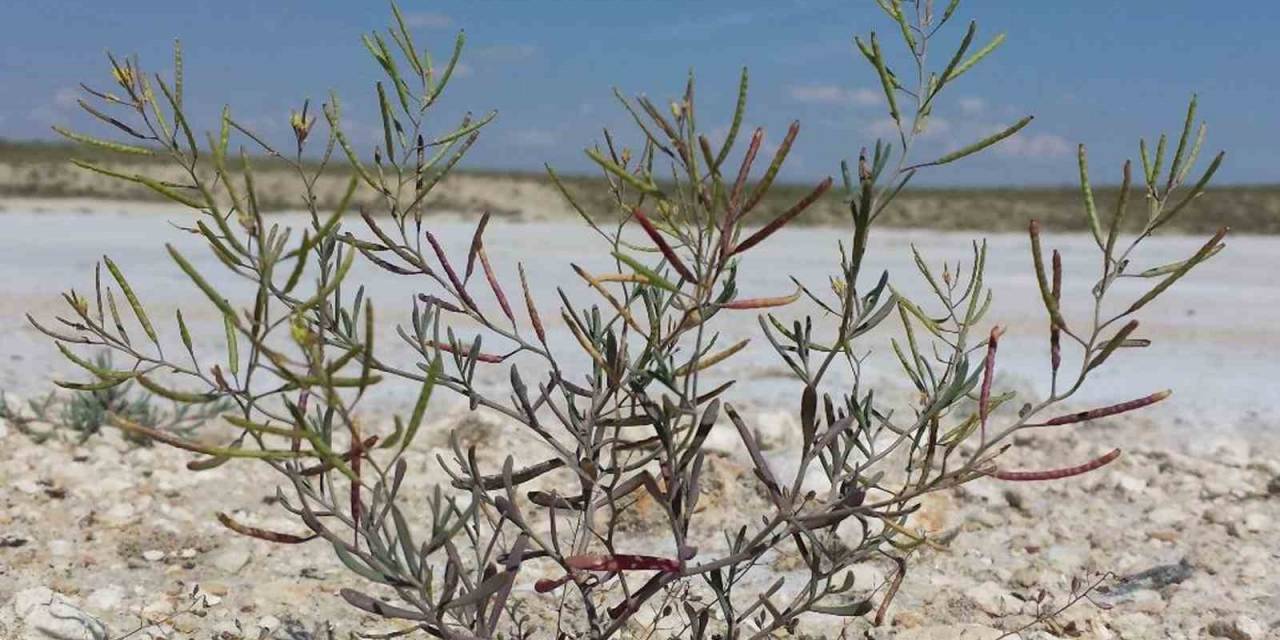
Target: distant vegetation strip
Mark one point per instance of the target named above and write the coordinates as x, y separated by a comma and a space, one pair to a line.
43, 170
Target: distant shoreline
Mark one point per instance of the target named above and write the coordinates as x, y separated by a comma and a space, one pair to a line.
42, 176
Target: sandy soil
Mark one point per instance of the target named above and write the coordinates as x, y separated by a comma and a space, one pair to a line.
1185, 520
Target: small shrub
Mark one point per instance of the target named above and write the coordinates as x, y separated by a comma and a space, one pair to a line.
624, 417
86, 411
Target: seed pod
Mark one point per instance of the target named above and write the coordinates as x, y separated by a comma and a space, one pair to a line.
1103, 412
1058, 474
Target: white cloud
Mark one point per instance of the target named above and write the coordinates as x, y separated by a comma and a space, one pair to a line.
866, 97
57, 110
972, 105
427, 20
704, 27
935, 128
834, 95
536, 138
1033, 146
829, 94
66, 97
514, 52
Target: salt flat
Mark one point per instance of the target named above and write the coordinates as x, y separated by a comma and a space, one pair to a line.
1184, 520
1215, 338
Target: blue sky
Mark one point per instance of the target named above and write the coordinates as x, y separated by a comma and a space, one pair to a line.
1098, 72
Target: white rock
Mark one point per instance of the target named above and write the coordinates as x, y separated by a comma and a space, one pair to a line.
1146, 601
776, 428
158, 609
1240, 628
1256, 522
188, 553
60, 548
988, 491
866, 576
1166, 516
231, 559
1067, 557
39, 614
106, 599
994, 599
949, 632
1128, 484
270, 623
119, 514
1027, 576
153, 555
1230, 451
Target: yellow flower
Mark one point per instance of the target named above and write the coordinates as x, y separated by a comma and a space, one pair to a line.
301, 125
123, 75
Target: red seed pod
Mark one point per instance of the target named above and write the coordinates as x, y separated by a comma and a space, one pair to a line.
493, 284
1057, 474
1055, 332
745, 169
453, 276
1103, 412
262, 534
622, 562
482, 357
787, 216
667, 251
533, 311
778, 157
988, 374
477, 241
763, 303
548, 584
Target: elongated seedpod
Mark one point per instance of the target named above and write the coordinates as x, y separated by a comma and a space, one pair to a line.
1122, 208
1046, 293
1086, 192
477, 242
518, 476
453, 276
494, 285
584, 342
439, 302
1103, 412
787, 216
988, 375
771, 173
744, 170
465, 353
262, 534
1210, 248
1058, 474
1055, 332
534, 318
763, 303
667, 251
132, 299
613, 301
708, 361
1114, 343
622, 562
